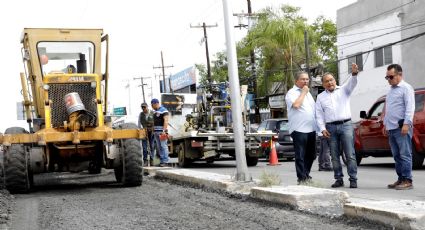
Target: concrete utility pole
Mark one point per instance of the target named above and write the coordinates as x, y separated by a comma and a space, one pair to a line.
143, 87
163, 71
242, 173
307, 56
252, 56
205, 39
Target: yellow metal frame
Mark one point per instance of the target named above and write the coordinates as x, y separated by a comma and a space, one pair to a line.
67, 79
45, 136
41, 102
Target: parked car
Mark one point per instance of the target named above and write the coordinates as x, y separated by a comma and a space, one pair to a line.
283, 142
369, 137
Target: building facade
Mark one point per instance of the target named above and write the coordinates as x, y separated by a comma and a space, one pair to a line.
374, 34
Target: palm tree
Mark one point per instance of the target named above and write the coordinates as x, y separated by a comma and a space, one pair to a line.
279, 38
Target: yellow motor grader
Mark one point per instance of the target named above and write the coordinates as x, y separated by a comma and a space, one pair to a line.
69, 130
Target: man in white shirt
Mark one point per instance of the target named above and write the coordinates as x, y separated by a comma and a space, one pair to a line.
300, 106
333, 116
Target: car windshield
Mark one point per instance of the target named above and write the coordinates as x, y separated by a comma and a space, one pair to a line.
66, 57
271, 125
283, 126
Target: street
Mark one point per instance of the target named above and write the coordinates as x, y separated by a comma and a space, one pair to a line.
84, 201
373, 176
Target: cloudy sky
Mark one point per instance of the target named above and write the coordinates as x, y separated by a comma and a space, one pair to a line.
139, 31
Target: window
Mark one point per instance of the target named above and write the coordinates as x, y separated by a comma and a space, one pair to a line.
66, 57
358, 59
377, 109
383, 56
419, 102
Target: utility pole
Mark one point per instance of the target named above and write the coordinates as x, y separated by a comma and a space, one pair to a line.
242, 173
143, 87
163, 71
252, 60
205, 39
307, 56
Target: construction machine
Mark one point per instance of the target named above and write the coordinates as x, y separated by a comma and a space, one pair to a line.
69, 129
207, 132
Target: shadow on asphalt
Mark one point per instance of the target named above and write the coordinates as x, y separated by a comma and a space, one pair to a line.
73, 181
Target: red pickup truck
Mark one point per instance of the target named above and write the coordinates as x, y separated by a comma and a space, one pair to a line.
369, 138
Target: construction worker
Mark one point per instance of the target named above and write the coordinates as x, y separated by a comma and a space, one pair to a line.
146, 122
160, 119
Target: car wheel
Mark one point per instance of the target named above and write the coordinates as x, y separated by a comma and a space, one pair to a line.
417, 158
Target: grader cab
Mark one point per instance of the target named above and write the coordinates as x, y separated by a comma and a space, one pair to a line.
66, 71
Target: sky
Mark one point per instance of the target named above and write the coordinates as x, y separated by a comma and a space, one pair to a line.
138, 32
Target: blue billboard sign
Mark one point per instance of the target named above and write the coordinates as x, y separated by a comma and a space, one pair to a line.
183, 78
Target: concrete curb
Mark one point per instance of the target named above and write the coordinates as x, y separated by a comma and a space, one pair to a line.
208, 180
313, 200
401, 214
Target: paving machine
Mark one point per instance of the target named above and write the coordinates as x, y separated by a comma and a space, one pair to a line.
66, 71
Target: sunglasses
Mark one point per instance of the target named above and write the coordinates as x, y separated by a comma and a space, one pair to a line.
389, 77
143, 107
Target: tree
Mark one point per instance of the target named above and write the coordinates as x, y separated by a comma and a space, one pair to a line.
325, 39
278, 41
279, 37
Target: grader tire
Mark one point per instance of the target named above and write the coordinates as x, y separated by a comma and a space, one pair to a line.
130, 172
17, 173
1, 174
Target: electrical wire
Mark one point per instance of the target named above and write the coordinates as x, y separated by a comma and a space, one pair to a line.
385, 12
405, 40
376, 30
354, 43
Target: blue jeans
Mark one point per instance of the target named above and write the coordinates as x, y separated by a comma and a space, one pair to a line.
324, 154
162, 146
149, 138
342, 134
401, 148
305, 153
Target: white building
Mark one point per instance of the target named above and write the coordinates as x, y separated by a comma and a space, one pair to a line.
374, 34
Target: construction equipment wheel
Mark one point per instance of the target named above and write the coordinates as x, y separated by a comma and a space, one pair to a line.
1, 171
251, 161
18, 176
130, 170
95, 166
183, 161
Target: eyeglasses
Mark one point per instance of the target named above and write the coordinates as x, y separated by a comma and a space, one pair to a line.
143, 107
389, 77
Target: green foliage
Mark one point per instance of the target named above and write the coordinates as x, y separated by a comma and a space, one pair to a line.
278, 42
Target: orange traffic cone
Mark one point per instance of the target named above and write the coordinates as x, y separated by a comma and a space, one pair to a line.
273, 155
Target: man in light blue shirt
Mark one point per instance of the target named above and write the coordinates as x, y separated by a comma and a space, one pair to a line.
398, 122
300, 106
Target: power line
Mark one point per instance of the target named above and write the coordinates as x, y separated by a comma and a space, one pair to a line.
354, 43
367, 19
387, 28
389, 44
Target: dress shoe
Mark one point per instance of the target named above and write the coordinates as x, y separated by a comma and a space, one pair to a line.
393, 185
404, 185
337, 184
353, 184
